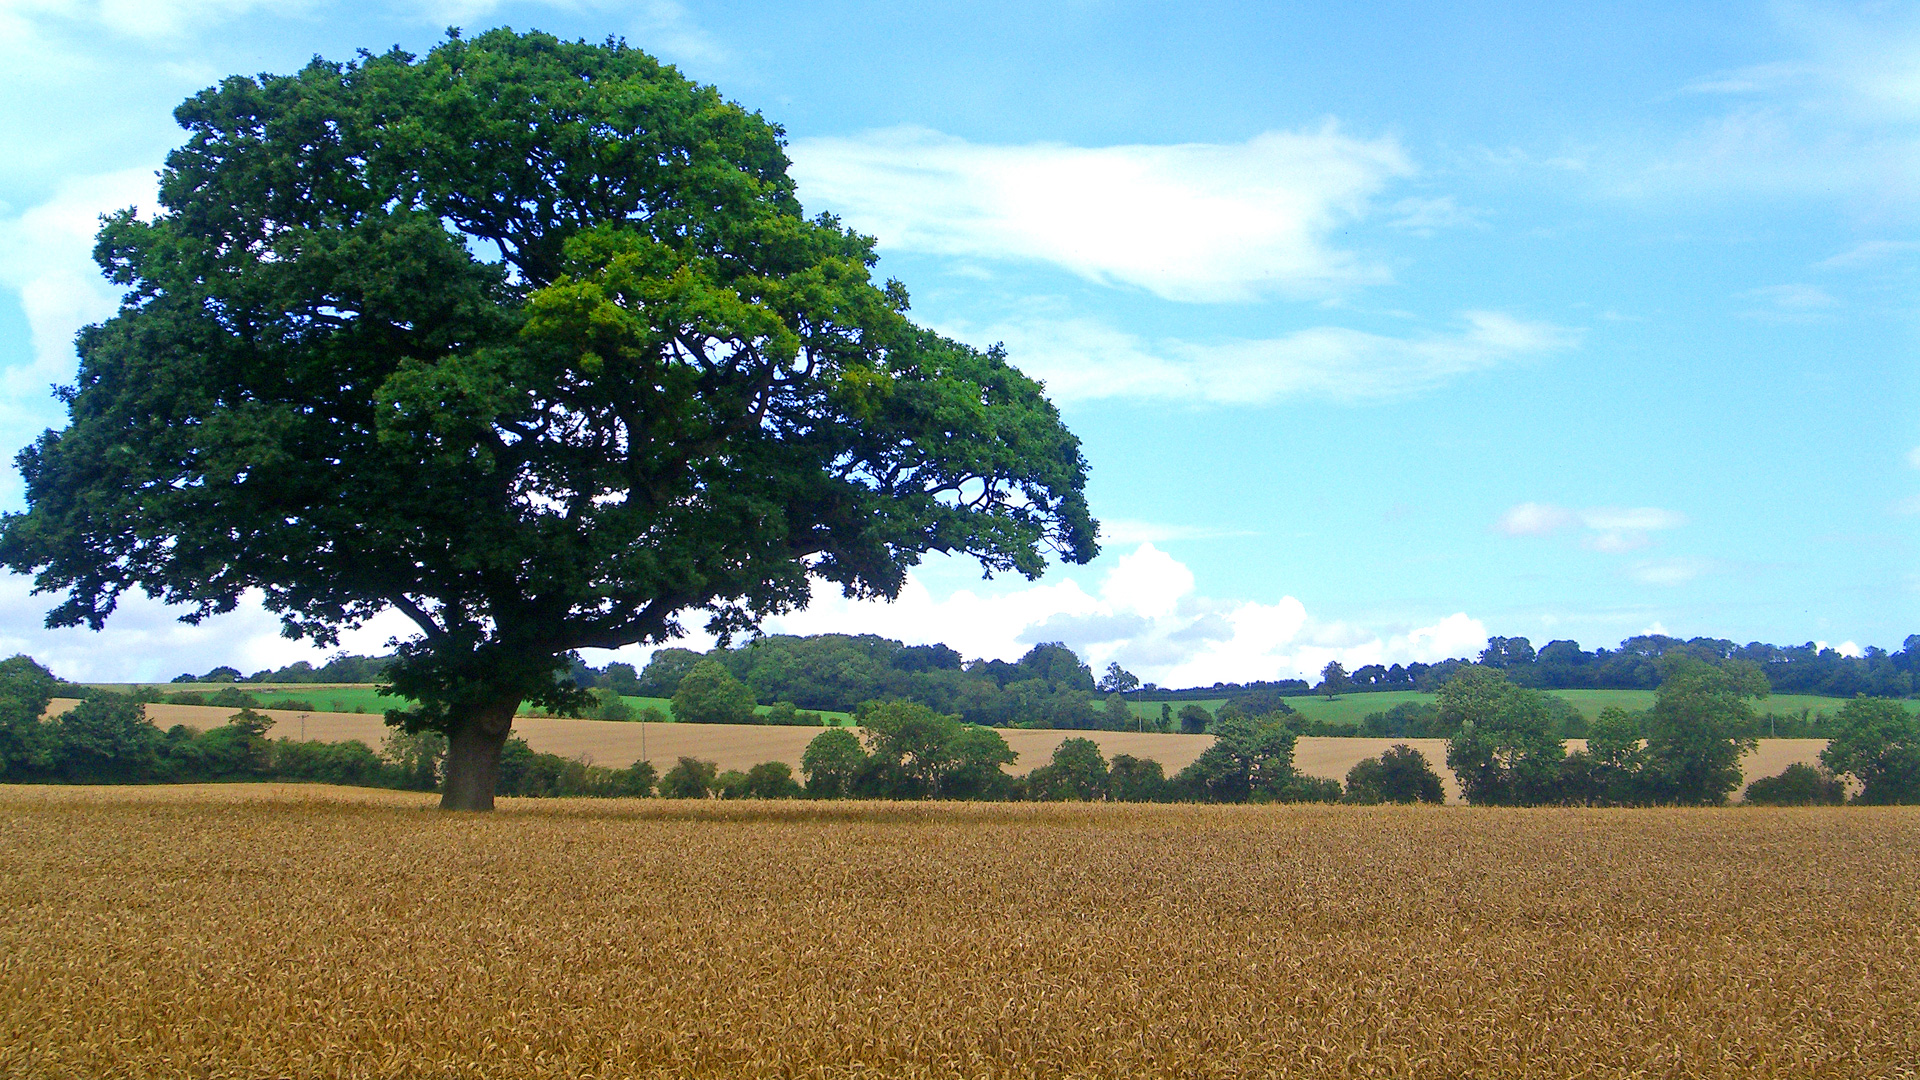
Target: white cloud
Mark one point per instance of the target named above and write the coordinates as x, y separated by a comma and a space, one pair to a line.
1144, 616
144, 640
1080, 359
1192, 222
1536, 519
1913, 458
1612, 529
46, 258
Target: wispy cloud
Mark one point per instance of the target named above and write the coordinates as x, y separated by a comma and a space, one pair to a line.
1611, 529
1678, 570
1792, 303
1080, 359
1868, 253
1424, 217
1841, 119
1128, 531
1191, 222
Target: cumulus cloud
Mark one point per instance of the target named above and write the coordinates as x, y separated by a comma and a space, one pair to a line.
1610, 529
1146, 616
46, 259
1080, 359
1190, 222
144, 641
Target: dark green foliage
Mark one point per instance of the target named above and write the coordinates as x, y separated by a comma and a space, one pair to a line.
690, 778
529, 341
786, 714
26, 744
1399, 775
1333, 680
772, 780
1132, 779
1877, 743
914, 752
1615, 762
664, 672
833, 763
1799, 784
1408, 720
1250, 760
1078, 772
709, 694
1118, 680
1697, 730
1504, 751
731, 784
107, 740
1194, 720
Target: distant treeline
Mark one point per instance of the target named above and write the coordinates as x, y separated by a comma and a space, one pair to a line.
1051, 687
1504, 748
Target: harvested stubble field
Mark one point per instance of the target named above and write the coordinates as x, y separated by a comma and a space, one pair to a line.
254, 931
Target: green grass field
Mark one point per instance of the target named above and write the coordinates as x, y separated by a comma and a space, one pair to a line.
1345, 709
1352, 708
366, 698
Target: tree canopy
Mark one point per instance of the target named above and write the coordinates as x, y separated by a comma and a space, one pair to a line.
530, 341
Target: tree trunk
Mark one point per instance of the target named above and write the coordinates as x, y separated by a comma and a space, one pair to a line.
473, 756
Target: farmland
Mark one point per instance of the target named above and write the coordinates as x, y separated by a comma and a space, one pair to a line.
245, 931
1344, 709
1352, 708
741, 746
366, 697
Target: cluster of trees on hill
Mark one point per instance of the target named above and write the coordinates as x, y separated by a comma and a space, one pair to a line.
1047, 687
1636, 664
343, 668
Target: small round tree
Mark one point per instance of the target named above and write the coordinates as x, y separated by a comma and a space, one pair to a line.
529, 341
709, 694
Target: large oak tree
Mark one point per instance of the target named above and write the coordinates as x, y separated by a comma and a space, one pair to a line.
530, 341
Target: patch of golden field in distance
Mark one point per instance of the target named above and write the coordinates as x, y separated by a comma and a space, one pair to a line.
742, 746
279, 930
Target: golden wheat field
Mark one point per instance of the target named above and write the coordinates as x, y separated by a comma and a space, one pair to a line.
285, 931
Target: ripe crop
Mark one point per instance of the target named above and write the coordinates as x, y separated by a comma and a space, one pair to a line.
257, 930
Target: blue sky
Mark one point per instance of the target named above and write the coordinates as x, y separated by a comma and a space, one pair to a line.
1385, 327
